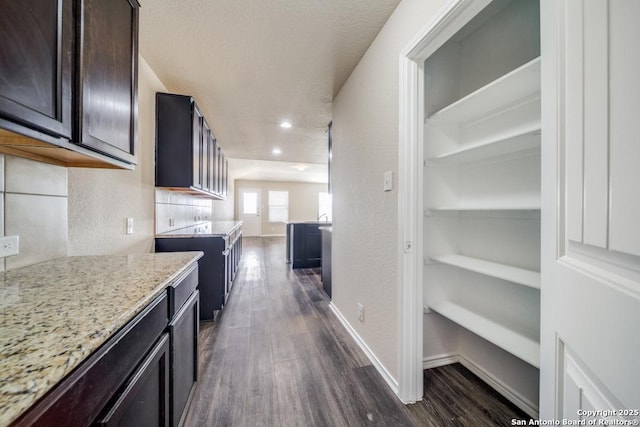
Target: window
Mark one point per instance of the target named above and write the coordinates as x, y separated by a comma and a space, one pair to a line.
278, 206
324, 206
250, 203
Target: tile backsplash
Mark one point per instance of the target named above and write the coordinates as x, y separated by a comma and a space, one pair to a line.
179, 210
33, 206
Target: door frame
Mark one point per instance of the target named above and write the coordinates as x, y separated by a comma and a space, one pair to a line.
452, 16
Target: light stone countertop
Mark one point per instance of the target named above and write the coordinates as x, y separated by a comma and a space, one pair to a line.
54, 314
205, 229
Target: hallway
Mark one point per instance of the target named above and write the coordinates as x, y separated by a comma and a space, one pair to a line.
277, 356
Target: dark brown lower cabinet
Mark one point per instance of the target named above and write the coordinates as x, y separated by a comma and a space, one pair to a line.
184, 328
306, 245
144, 375
145, 399
217, 267
82, 395
326, 260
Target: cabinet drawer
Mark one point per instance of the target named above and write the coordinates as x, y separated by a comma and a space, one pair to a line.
78, 399
181, 290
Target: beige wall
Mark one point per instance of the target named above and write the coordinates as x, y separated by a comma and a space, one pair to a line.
365, 219
223, 210
303, 201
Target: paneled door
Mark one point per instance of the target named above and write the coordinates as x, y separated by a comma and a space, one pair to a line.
250, 212
590, 332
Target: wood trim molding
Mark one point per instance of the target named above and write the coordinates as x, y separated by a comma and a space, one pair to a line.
386, 375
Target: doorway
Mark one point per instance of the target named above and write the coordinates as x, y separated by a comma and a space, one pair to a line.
250, 212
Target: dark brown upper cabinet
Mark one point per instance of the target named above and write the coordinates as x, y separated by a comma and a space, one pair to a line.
68, 81
188, 157
36, 57
107, 84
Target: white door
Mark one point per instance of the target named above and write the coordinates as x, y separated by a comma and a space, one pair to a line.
590, 332
250, 212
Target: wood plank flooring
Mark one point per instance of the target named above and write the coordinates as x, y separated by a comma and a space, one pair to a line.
277, 356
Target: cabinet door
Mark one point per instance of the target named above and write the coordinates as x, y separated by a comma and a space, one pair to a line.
184, 357
145, 399
223, 175
214, 166
108, 77
197, 147
206, 136
212, 157
36, 52
219, 174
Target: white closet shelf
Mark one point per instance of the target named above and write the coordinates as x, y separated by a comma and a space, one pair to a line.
515, 343
517, 275
510, 89
518, 142
480, 208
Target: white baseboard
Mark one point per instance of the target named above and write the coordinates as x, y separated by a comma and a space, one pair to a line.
388, 378
510, 394
440, 360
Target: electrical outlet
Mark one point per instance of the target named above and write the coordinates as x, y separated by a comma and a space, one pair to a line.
9, 246
360, 312
129, 225
172, 222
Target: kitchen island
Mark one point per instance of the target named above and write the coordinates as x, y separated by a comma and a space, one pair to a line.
221, 243
57, 314
304, 243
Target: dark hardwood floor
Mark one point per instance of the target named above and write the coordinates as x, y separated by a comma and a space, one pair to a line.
277, 356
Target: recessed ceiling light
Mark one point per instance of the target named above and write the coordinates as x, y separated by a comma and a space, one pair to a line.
276, 151
300, 167
285, 125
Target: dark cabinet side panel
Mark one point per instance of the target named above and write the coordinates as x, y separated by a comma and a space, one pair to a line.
326, 262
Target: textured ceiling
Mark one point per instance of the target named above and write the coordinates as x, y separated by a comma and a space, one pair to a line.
251, 64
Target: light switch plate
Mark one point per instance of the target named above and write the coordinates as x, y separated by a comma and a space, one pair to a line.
388, 181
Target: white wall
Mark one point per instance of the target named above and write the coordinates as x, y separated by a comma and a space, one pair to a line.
365, 145
303, 202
